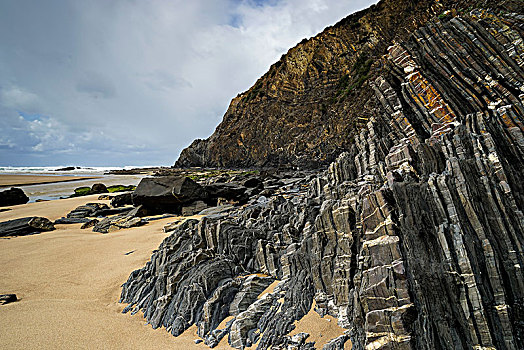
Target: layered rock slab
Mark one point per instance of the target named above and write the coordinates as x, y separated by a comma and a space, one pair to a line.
25, 226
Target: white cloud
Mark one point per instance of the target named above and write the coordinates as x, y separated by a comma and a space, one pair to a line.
18, 98
111, 74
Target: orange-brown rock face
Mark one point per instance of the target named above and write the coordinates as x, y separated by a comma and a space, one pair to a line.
309, 106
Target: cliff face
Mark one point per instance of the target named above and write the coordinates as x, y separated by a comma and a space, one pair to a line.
413, 238
311, 104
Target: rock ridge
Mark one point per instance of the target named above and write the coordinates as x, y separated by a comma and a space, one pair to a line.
412, 238
309, 107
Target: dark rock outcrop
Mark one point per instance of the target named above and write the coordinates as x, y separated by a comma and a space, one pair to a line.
25, 226
167, 194
93, 210
7, 298
85, 191
68, 168
13, 196
412, 238
121, 200
116, 223
88, 210
98, 188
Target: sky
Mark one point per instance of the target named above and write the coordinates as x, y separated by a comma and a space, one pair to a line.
133, 82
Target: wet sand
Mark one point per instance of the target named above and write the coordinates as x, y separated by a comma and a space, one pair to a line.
48, 187
7, 180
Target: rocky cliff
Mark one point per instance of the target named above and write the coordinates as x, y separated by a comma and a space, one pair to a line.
413, 238
311, 104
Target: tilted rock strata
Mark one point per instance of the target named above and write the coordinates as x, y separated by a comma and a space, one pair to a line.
412, 239
310, 105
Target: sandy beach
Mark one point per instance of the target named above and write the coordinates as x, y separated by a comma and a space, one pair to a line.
68, 282
8, 180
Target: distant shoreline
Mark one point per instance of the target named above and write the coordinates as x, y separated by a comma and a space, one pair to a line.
7, 180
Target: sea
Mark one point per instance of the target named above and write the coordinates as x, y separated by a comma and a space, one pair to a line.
53, 191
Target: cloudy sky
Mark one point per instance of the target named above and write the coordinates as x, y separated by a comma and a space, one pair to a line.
133, 82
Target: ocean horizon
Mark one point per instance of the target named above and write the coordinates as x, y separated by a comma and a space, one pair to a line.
55, 170
87, 176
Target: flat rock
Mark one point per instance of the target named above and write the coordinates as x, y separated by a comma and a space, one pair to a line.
88, 210
89, 224
118, 222
72, 220
193, 208
25, 226
95, 210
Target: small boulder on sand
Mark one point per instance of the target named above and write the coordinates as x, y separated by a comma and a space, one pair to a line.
13, 196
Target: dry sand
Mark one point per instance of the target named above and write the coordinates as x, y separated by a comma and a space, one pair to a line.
321, 329
68, 282
21, 180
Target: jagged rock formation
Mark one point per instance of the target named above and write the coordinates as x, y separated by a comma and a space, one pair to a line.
413, 238
309, 106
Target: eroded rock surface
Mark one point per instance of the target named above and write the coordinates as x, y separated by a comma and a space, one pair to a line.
412, 238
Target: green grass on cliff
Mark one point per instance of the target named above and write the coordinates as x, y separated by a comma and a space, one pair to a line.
359, 74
